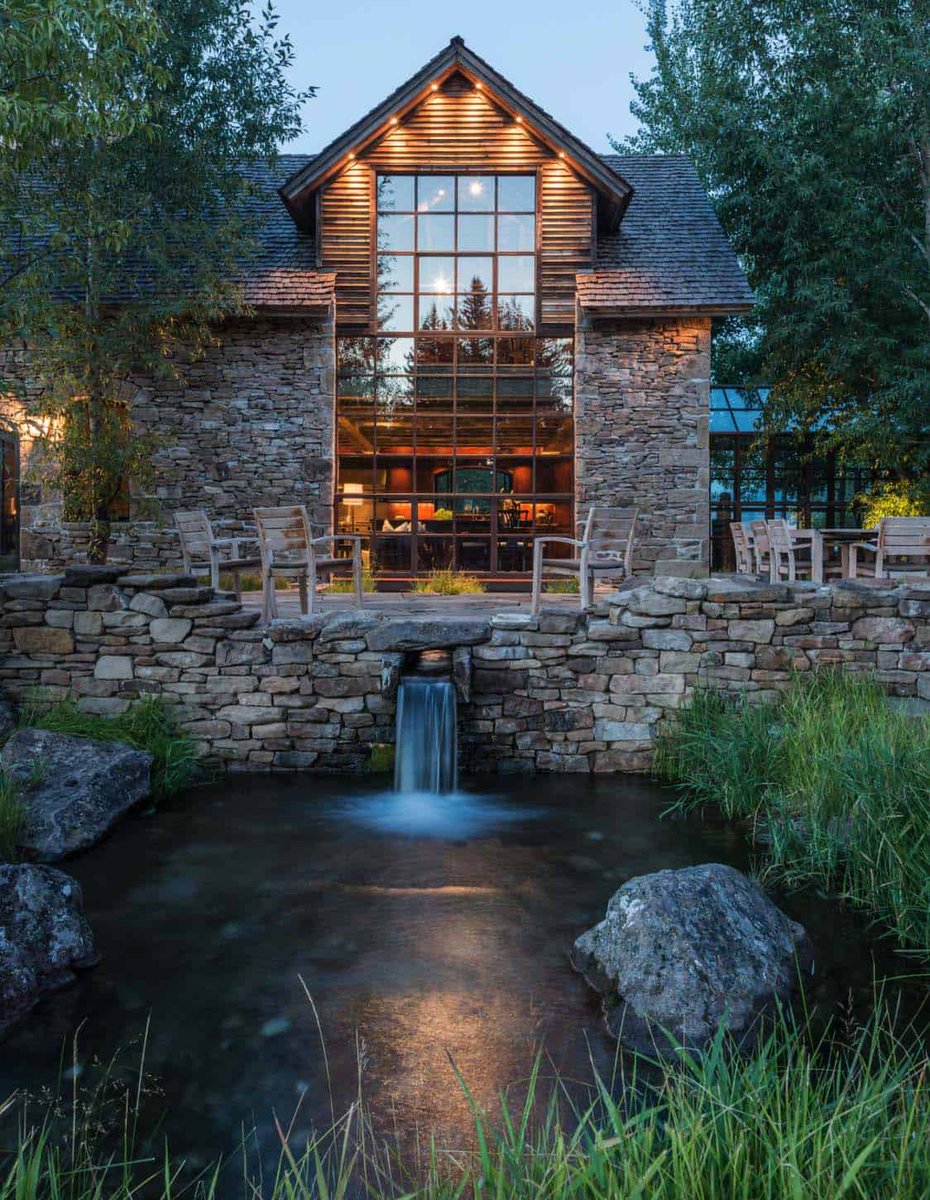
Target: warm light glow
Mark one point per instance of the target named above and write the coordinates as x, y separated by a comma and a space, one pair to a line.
351, 493
435, 87
393, 120
519, 119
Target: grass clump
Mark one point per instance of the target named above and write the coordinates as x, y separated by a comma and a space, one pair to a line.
345, 583
845, 1116
449, 583
148, 724
564, 587
840, 778
11, 818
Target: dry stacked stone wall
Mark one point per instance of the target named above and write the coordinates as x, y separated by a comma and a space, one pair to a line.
562, 691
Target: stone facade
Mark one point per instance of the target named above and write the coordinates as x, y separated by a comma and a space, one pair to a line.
641, 432
250, 423
563, 691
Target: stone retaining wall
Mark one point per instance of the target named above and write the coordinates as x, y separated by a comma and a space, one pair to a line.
562, 691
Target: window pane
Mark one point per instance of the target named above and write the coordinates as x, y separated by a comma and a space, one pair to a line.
476, 233
437, 275
395, 233
394, 355
356, 388
395, 193
515, 352
435, 193
433, 351
516, 312
473, 351
395, 272
476, 193
395, 312
434, 391
472, 269
437, 312
516, 193
516, 273
475, 310
436, 233
516, 233
355, 355
395, 393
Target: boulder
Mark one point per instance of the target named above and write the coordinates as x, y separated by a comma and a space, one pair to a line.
44, 937
680, 952
72, 789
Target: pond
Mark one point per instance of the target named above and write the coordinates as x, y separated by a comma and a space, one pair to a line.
425, 932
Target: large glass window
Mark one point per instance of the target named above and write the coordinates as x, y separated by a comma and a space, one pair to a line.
455, 436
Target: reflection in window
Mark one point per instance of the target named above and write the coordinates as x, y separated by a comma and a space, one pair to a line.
455, 420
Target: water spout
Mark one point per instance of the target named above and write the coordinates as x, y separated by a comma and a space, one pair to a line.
426, 754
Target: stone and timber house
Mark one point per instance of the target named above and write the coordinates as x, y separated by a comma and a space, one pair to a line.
465, 327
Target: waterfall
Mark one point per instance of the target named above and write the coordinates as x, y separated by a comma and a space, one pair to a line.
426, 754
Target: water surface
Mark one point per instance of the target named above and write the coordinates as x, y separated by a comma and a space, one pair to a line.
425, 933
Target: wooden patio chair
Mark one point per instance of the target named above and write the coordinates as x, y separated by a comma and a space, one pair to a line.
288, 549
603, 551
742, 547
202, 553
790, 555
759, 544
901, 548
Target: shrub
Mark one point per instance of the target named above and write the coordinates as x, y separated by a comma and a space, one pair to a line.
839, 776
449, 583
566, 587
148, 724
899, 499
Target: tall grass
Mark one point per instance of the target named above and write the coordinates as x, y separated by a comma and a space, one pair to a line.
449, 583
148, 724
11, 818
840, 778
846, 1117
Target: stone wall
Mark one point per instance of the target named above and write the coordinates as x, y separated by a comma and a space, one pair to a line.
641, 431
251, 423
563, 691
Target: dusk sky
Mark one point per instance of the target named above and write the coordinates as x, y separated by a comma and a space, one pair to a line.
576, 65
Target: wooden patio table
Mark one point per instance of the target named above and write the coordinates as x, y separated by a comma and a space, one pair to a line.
847, 540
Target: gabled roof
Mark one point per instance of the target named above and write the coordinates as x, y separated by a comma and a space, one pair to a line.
670, 254
614, 192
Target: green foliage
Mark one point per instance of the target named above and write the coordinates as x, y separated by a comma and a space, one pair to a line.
11, 818
126, 208
810, 126
148, 724
840, 1116
840, 779
898, 499
568, 586
442, 514
448, 583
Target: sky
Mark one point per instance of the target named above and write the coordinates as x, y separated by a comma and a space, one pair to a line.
574, 59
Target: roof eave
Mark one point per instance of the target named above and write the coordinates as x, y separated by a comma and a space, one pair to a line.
615, 312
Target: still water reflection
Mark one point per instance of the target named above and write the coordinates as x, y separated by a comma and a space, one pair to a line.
421, 937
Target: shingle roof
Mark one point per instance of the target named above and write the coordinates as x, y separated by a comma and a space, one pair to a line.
282, 273
670, 252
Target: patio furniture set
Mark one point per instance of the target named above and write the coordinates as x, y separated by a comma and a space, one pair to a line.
900, 546
288, 549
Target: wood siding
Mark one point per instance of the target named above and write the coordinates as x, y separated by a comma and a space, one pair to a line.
346, 241
457, 128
